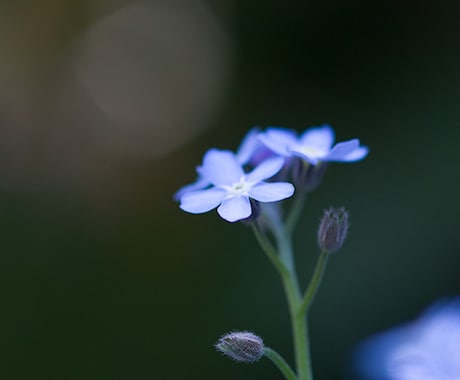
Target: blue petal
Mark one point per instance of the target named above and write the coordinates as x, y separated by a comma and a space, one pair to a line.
200, 184
279, 140
297, 151
235, 208
265, 169
220, 167
357, 154
248, 146
427, 348
340, 151
198, 202
271, 192
320, 138
372, 356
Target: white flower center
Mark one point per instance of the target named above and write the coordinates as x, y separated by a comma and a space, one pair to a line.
311, 151
239, 188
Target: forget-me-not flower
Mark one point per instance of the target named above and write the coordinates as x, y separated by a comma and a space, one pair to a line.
231, 188
250, 149
427, 349
314, 145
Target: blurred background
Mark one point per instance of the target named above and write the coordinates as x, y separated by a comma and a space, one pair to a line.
107, 106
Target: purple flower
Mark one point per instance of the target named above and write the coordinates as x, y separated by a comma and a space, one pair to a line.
231, 188
426, 349
199, 184
314, 145
251, 150
249, 146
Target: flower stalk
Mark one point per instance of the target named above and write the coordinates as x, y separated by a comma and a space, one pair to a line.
282, 365
298, 318
247, 186
299, 305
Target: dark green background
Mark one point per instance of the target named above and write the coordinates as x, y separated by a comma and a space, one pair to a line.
110, 280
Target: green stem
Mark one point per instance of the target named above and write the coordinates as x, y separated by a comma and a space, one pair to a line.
295, 211
282, 258
298, 318
315, 282
302, 346
282, 365
268, 248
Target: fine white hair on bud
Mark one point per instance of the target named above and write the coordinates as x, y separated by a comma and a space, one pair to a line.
333, 229
241, 346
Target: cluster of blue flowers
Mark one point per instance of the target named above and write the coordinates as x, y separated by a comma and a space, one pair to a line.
267, 167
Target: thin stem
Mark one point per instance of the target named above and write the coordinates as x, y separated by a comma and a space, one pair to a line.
302, 346
268, 248
282, 257
294, 298
279, 361
295, 211
286, 254
315, 282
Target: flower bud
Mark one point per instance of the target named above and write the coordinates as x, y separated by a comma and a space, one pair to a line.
333, 230
241, 346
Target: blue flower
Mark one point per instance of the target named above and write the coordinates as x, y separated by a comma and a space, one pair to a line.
426, 349
314, 145
251, 150
231, 188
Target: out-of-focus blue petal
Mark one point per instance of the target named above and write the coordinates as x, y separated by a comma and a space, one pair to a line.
311, 157
235, 208
426, 349
266, 169
341, 150
271, 192
197, 202
199, 184
357, 154
320, 138
373, 354
248, 146
279, 140
220, 167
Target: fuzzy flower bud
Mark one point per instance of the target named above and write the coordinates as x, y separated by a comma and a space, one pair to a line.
333, 230
241, 346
